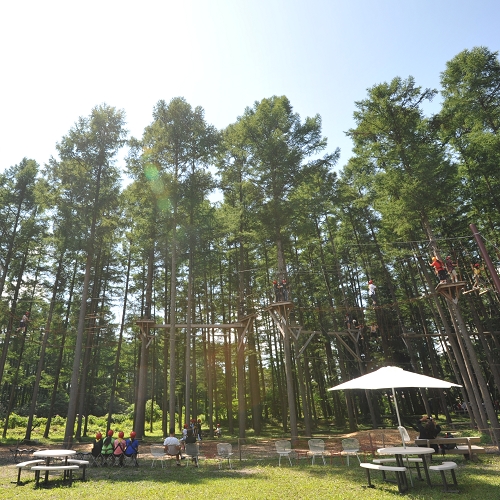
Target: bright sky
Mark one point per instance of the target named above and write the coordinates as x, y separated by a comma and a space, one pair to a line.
60, 58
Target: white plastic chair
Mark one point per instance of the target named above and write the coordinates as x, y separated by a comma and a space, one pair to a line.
158, 453
192, 451
317, 449
350, 446
224, 451
283, 448
172, 451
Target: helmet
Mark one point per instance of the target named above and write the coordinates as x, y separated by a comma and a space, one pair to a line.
284, 280
274, 282
110, 432
476, 265
133, 434
120, 434
434, 258
98, 436
370, 282
185, 426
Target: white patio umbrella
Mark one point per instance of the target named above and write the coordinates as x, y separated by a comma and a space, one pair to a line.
392, 377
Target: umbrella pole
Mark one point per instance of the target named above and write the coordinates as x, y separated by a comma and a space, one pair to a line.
396, 405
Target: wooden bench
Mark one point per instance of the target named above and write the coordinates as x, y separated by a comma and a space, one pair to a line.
49, 468
400, 474
81, 463
465, 445
451, 466
28, 463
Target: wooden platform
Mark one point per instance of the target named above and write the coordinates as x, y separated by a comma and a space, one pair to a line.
451, 291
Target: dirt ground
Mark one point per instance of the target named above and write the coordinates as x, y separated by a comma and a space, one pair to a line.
253, 449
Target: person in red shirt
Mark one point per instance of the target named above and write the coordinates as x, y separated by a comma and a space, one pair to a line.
439, 269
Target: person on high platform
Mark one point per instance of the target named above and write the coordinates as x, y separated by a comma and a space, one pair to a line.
439, 269
284, 290
277, 291
372, 292
450, 267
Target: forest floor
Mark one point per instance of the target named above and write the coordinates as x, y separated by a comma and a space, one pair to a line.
247, 449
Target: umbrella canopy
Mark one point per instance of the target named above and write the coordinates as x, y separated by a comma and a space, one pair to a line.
392, 377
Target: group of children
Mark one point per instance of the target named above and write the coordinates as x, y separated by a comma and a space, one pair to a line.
445, 269
115, 449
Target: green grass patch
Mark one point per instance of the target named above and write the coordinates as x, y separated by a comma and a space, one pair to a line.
248, 480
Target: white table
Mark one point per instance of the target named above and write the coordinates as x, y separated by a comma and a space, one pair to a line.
48, 454
399, 452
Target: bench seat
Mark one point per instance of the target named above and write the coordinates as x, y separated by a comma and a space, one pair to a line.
23, 465
81, 463
50, 468
451, 466
464, 449
400, 473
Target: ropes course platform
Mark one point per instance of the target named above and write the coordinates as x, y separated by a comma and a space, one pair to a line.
451, 291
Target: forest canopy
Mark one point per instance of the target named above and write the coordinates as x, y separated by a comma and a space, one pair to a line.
114, 293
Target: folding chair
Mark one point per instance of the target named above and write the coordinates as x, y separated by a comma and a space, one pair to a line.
158, 453
350, 446
131, 459
95, 456
192, 451
283, 448
224, 451
317, 449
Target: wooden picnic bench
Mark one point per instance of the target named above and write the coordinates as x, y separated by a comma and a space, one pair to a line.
464, 445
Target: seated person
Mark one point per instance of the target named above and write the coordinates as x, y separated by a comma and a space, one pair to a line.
191, 439
107, 447
132, 447
171, 440
119, 448
428, 430
97, 446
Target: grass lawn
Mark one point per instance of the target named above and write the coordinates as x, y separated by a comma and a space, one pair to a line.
259, 479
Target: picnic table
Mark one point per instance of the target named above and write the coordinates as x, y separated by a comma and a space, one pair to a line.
464, 445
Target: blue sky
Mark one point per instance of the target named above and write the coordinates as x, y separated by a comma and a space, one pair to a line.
61, 58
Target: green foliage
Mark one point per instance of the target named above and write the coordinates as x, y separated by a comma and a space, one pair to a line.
155, 411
